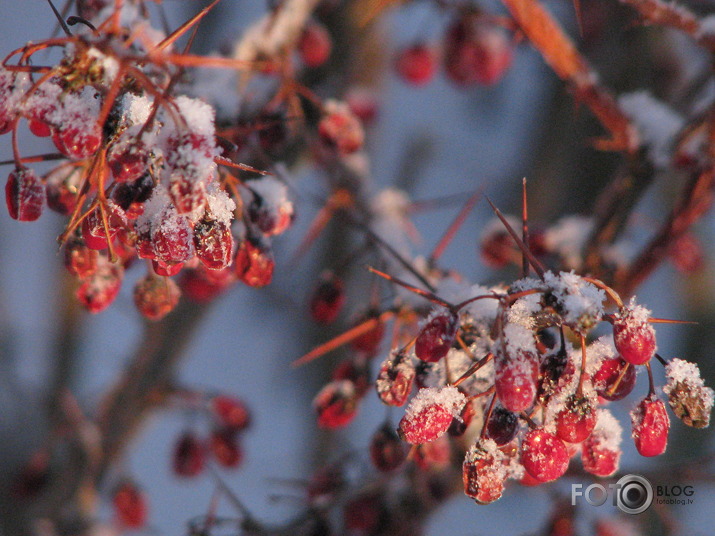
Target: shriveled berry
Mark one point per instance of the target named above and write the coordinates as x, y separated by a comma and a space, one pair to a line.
232, 412
484, 472
650, 425
225, 447
189, 455
24, 195
461, 422
543, 455
430, 414
155, 297
130, 505
126, 194
327, 299
416, 64
606, 383
633, 335
314, 45
394, 381
436, 336
336, 404
688, 397
502, 425
387, 452
270, 209
576, 420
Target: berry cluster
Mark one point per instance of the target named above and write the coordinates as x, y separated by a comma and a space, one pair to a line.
137, 173
475, 49
515, 372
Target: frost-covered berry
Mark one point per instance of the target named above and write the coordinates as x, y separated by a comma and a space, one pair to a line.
543, 455
650, 425
604, 381
155, 297
387, 452
484, 472
502, 425
688, 397
213, 243
231, 412
314, 45
436, 336
100, 288
78, 143
430, 414
515, 380
394, 381
271, 210
340, 128
633, 335
601, 452
416, 64
24, 195
576, 420
327, 299
189, 455
94, 231
225, 447
336, 404
130, 505
172, 238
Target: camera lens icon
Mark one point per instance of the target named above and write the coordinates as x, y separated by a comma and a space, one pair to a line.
634, 494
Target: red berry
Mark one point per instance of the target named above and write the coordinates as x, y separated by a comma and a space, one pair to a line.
650, 425
605, 379
416, 64
598, 459
225, 447
686, 254
213, 242
430, 414
93, 229
166, 270
576, 420
434, 455
327, 299
61, 188
128, 162
633, 335
80, 261
483, 472
314, 45
155, 297
39, 128
336, 404
98, 290
77, 143
188, 195
24, 195
543, 455
436, 336
254, 263
130, 506
231, 412
515, 381
497, 249
173, 239
189, 455
203, 285
387, 452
